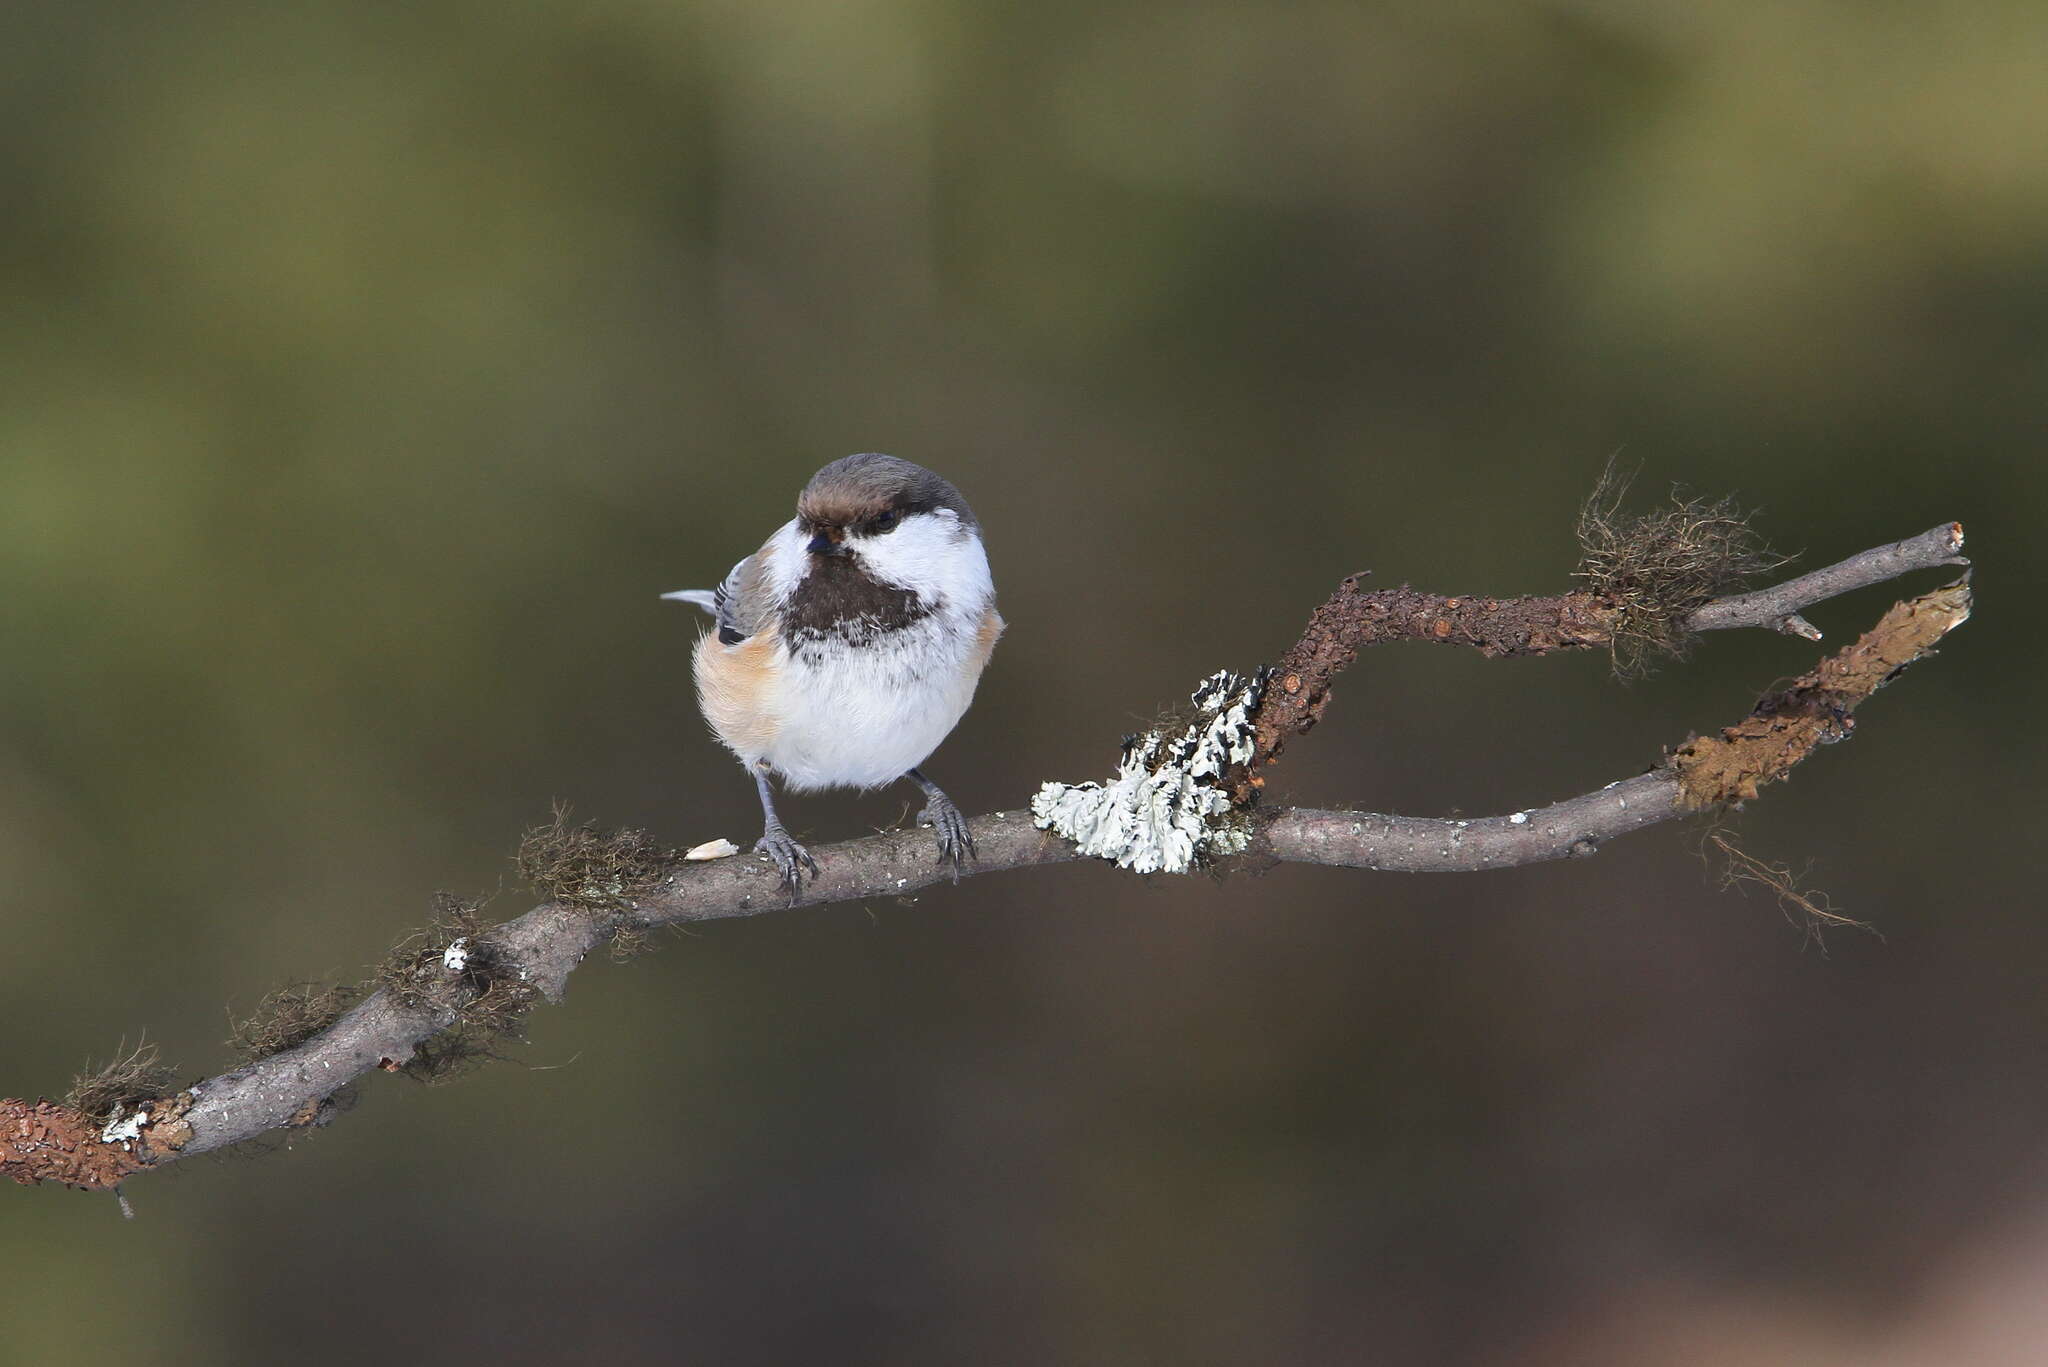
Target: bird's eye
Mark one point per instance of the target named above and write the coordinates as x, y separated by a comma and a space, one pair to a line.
883, 522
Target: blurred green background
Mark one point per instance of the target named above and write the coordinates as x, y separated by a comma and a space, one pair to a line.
369, 369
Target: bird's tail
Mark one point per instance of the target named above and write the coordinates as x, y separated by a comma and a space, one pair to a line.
703, 598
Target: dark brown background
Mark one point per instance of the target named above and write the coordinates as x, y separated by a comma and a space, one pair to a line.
369, 370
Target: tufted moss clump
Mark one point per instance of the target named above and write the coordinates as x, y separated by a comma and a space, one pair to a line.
290, 1016
1657, 568
497, 1013
414, 972
124, 1081
593, 868
452, 966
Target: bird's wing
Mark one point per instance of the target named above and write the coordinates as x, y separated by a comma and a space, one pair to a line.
736, 604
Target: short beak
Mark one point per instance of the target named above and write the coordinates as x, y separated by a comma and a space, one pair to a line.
829, 541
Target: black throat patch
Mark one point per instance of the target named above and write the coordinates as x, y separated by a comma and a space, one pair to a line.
839, 598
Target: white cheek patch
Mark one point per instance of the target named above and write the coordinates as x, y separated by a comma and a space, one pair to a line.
1166, 809
933, 554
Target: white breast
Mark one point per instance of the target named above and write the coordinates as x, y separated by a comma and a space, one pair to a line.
861, 716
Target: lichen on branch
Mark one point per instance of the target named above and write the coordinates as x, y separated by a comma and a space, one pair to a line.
1168, 807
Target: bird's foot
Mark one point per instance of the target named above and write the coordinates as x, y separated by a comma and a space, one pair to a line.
787, 856
956, 842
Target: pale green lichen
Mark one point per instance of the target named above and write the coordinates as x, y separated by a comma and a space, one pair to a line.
1167, 809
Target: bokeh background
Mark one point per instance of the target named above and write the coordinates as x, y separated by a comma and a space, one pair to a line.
369, 369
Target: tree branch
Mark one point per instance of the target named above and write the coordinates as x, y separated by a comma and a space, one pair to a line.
532, 956
1783, 729
1782, 603
1354, 618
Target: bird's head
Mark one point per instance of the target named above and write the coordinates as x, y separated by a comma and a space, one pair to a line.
897, 522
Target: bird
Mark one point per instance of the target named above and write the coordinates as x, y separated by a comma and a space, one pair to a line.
845, 649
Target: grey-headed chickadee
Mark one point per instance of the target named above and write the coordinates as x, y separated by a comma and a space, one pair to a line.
849, 645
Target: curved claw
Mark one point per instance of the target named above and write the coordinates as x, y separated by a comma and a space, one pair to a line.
956, 842
786, 855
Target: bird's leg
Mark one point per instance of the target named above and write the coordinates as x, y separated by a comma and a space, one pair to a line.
956, 843
775, 842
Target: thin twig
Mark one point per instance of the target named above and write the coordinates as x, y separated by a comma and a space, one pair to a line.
1780, 605
1355, 617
